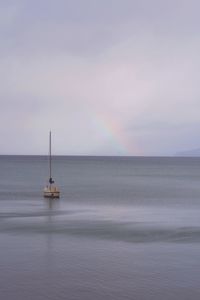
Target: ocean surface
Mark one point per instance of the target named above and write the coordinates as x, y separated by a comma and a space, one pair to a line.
124, 228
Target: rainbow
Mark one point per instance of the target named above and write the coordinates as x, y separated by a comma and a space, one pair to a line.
111, 129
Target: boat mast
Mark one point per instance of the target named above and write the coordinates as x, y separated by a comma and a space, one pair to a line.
51, 191
50, 178
50, 157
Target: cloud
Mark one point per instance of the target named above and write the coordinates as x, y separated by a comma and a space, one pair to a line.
76, 67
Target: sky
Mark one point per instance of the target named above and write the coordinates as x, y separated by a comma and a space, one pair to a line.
107, 77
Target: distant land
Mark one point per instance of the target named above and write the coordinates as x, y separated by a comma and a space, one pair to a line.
194, 152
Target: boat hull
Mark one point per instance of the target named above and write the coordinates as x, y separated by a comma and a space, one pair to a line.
51, 193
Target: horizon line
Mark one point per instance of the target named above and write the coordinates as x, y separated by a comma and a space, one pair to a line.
94, 155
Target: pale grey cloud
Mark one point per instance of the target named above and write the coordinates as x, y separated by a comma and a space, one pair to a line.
108, 77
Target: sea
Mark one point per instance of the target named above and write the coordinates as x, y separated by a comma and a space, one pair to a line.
123, 228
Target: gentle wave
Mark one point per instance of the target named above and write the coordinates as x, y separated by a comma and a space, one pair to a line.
132, 232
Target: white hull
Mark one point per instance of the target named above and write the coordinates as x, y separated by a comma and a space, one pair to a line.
52, 192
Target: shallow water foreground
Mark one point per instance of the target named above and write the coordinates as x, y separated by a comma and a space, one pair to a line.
124, 228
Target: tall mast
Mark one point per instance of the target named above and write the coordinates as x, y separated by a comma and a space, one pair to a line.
50, 190
50, 179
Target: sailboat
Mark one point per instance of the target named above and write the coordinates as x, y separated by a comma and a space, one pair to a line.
51, 191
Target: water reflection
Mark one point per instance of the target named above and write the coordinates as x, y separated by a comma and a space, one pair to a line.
51, 206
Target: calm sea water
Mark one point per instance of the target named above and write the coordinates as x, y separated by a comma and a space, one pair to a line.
124, 228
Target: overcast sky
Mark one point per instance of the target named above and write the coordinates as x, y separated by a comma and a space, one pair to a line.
108, 77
